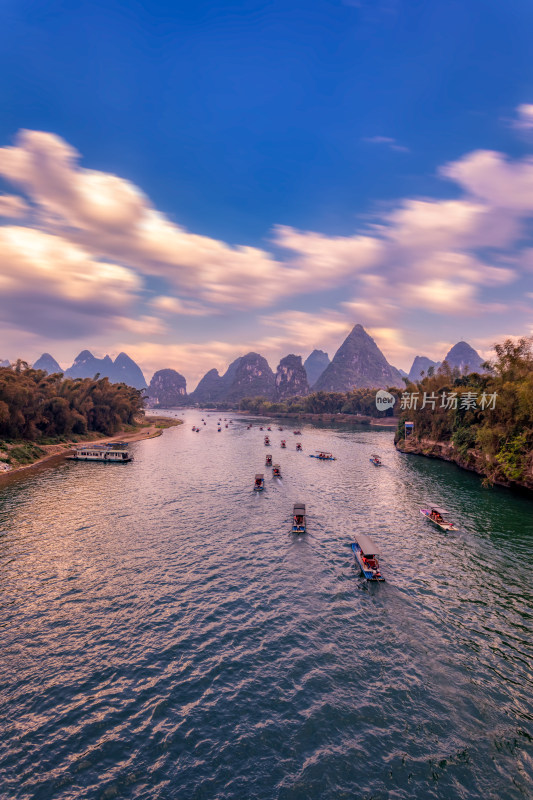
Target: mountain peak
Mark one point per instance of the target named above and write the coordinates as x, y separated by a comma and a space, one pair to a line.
358, 363
85, 355
315, 364
291, 378
464, 357
47, 363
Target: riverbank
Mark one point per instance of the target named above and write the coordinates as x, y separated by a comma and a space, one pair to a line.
471, 459
356, 419
25, 456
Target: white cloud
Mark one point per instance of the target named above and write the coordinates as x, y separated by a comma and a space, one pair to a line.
12, 206
496, 180
47, 281
96, 236
173, 305
391, 143
524, 118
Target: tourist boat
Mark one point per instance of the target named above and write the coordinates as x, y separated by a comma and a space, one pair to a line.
323, 456
366, 554
297, 433
100, 452
298, 446
276, 471
259, 484
283, 443
376, 460
437, 515
298, 518
268, 461
267, 441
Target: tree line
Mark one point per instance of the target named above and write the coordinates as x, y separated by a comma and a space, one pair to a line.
489, 413
36, 406
357, 401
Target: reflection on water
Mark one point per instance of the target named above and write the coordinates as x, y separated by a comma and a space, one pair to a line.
164, 636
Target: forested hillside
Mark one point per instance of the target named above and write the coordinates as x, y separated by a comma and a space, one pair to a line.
483, 422
36, 406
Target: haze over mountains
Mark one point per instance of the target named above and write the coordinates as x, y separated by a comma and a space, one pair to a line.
358, 363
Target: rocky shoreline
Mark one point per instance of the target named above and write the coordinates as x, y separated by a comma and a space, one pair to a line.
472, 460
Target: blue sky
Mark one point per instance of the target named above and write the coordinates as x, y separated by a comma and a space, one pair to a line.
230, 119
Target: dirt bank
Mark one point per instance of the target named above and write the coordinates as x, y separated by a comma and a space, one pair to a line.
151, 427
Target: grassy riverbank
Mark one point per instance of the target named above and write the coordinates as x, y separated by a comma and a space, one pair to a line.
17, 455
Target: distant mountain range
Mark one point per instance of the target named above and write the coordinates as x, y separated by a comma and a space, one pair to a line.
358, 363
122, 370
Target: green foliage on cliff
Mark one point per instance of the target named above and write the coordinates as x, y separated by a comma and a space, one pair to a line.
358, 401
498, 429
36, 406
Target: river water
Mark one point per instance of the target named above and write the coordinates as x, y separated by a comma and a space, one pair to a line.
164, 636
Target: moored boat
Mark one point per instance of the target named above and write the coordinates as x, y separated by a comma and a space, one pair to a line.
323, 456
376, 460
96, 452
276, 471
437, 515
366, 554
259, 484
299, 524
268, 460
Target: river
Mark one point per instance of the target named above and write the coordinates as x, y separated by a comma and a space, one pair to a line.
163, 635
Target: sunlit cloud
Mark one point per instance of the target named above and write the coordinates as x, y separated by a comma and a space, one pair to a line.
12, 206
86, 245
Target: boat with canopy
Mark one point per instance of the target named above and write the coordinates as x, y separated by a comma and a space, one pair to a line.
438, 515
366, 554
299, 524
